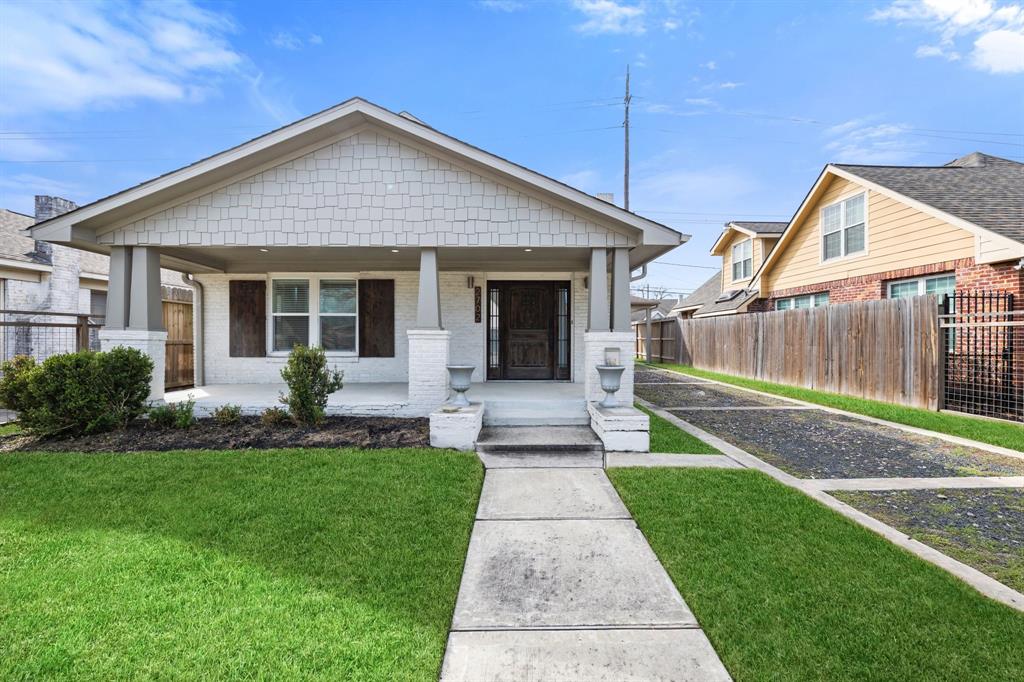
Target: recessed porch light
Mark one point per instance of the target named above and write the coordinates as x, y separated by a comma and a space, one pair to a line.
394, 250
527, 250
264, 250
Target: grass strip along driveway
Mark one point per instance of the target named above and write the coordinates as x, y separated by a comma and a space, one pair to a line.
787, 589
992, 432
668, 438
340, 564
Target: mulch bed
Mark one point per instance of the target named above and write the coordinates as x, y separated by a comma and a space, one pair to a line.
818, 444
248, 432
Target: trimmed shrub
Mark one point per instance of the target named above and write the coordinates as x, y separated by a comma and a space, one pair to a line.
174, 415
227, 414
14, 381
86, 392
275, 416
309, 381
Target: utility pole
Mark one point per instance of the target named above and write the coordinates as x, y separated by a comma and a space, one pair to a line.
625, 176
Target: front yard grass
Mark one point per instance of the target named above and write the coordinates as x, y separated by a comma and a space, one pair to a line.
787, 589
985, 431
666, 437
339, 564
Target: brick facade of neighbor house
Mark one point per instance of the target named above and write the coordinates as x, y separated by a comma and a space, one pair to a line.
1002, 277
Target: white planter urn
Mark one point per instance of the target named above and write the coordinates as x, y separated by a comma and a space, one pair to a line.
459, 380
611, 380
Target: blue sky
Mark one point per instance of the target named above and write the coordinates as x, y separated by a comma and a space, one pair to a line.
737, 105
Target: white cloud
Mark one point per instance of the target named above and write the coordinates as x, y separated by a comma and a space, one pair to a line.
608, 16
997, 32
670, 24
701, 101
502, 5
999, 52
315, 39
66, 56
585, 179
286, 40
864, 140
709, 65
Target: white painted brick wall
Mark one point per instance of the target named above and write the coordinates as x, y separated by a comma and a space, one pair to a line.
366, 190
594, 354
428, 373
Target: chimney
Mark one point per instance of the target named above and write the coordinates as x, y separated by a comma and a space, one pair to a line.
49, 207
606, 196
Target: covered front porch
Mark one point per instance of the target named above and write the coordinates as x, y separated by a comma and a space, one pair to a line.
504, 403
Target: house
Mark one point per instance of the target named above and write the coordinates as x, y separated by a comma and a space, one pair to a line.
41, 278
398, 249
660, 308
704, 295
873, 232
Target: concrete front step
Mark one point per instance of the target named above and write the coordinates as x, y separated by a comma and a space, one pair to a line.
538, 439
506, 412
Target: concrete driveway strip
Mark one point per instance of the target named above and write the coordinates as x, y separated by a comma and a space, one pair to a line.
559, 584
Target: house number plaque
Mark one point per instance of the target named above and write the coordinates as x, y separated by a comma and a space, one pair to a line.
476, 304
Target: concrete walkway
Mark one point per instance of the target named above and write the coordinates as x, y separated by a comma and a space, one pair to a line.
560, 584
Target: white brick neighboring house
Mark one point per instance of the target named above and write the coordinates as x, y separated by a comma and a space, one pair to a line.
398, 249
40, 277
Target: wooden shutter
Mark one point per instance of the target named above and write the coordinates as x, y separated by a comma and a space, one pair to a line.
376, 318
247, 315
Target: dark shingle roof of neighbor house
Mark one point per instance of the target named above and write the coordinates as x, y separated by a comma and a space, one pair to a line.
15, 244
985, 190
760, 227
728, 301
704, 294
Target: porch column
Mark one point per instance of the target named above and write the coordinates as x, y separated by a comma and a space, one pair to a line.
602, 337
135, 309
597, 292
118, 287
620, 290
428, 341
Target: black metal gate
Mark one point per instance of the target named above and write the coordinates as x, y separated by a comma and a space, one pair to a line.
984, 355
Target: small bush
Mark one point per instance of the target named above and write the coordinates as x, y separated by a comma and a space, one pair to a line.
226, 415
174, 415
86, 392
309, 381
275, 416
14, 381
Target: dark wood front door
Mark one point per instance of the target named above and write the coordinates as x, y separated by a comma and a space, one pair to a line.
528, 330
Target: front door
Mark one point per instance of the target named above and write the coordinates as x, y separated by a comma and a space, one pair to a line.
528, 330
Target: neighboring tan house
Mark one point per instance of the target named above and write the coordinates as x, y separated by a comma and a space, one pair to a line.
397, 248
872, 232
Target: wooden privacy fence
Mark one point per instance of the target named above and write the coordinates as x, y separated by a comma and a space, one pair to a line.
886, 350
664, 340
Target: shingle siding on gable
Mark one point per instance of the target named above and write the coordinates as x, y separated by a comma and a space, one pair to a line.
365, 190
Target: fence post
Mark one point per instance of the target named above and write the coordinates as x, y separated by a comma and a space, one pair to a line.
82, 333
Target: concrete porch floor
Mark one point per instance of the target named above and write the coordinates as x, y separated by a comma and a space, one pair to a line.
502, 399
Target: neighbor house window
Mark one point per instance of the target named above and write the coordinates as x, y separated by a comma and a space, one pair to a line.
331, 323
742, 260
939, 285
805, 301
843, 228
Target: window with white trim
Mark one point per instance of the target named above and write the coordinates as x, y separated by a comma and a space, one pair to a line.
805, 301
742, 260
940, 285
331, 324
843, 228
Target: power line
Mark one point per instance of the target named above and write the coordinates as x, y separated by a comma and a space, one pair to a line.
685, 265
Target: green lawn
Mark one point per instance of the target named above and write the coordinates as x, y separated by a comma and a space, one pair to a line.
334, 564
986, 431
667, 437
9, 429
786, 589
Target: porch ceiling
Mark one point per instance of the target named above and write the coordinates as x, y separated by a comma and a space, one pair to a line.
251, 259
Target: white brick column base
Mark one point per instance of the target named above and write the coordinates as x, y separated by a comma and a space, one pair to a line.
621, 429
594, 344
457, 429
152, 343
428, 368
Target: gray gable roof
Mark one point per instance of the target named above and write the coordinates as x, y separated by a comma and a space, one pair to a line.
985, 190
15, 243
704, 294
711, 299
760, 227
